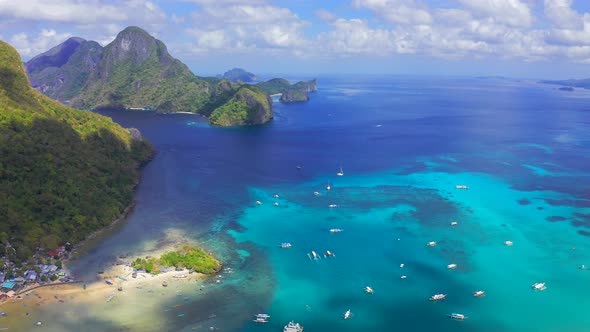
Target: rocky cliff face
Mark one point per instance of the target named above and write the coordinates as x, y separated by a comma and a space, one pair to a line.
297, 92
136, 71
63, 71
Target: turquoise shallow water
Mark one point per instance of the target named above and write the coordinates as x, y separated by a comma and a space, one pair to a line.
404, 144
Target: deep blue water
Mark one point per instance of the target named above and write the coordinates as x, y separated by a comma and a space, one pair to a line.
404, 143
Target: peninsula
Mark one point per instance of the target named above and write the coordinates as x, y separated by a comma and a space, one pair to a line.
135, 71
65, 173
290, 93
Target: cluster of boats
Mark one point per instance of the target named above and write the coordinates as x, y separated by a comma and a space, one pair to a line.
314, 255
261, 318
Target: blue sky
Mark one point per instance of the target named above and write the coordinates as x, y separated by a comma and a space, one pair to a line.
517, 38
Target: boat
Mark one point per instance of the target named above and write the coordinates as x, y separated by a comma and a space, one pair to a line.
110, 298
438, 297
313, 255
479, 293
120, 288
258, 203
122, 278
461, 186
332, 206
454, 223
340, 172
328, 253
179, 276
260, 320
540, 286
402, 265
431, 244
293, 327
457, 316
335, 230
508, 243
109, 282
328, 187
276, 196
404, 277
165, 283
265, 316
582, 267
369, 290
347, 314
452, 266
285, 245
316, 193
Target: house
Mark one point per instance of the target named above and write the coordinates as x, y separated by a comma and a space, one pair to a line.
30, 276
10, 294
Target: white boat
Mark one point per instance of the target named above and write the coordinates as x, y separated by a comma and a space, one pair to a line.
276, 196
457, 316
454, 223
316, 193
313, 255
461, 186
431, 244
540, 286
335, 230
110, 298
369, 290
332, 206
276, 204
340, 172
265, 316
328, 253
329, 187
260, 320
285, 245
402, 265
452, 266
479, 293
438, 297
404, 277
293, 327
347, 314
582, 267
508, 243
258, 203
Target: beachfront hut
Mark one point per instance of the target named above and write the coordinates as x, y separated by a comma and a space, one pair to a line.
8, 285
10, 294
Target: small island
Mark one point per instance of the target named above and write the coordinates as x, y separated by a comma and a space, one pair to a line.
189, 257
290, 93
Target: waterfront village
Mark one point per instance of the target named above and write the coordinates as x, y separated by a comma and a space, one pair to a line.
37, 271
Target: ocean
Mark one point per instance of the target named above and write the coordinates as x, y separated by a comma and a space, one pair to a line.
404, 144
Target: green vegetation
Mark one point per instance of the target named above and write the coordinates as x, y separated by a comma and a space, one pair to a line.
290, 93
188, 257
64, 173
249, 105
136, 70
239, 75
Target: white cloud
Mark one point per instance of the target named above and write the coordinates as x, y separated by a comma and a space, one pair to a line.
33, 45
74, 11
325, 15
397, 11
562, 16
514, 13
245, 26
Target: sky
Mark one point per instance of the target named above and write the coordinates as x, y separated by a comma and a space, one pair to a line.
514, 38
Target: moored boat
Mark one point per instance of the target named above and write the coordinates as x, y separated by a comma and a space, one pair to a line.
452, 266
369, 290
347, 314
454, 223
508, 243
461, 186
457, 316
340, 172
335, 230
479, 293
431, 244
293, 327
285, 245
438, 297
540, 286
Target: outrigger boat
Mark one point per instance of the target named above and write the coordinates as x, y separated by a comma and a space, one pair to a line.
431, 244
340, 172
452, 266
332, 206
508, 243
540, 286
328, 253
265, 316
479, 293
285, 245
457, 316
347, 314
328, 187
293, 327
369, 290
260, 320
335, 230
313, 255
438, 297
454, 223
461, 186
258, 203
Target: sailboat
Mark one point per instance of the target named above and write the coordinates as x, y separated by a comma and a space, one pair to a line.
340, 172
329, 186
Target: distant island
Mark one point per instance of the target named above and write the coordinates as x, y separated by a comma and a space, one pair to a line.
187, 257
239, 75
569, 84
66, 173
135, 71
290, 93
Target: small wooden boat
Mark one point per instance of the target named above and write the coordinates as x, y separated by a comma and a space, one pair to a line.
165, 283
431, 244
452, 266
457, 316
438, 297
479, 293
